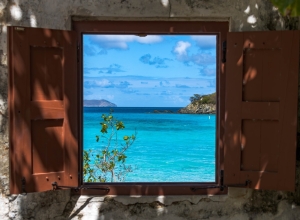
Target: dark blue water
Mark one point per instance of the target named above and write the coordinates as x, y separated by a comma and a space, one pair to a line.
169, 147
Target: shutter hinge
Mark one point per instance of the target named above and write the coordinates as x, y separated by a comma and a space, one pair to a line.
224, 49
222, 186
23, 185
55, 186
19, 28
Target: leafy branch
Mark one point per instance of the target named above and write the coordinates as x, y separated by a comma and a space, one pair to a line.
108, 164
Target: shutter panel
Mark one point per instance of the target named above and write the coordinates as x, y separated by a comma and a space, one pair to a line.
261, 109
43, 108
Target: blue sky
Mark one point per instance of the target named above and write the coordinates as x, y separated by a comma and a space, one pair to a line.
151, 71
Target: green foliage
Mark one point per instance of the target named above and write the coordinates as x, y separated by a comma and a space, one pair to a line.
203, 99
288, 7
108, 164
88, 171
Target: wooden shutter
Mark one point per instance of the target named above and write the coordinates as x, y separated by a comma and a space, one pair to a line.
43, 109
261, 109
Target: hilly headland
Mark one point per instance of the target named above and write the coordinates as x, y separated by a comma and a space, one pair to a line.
200, 104
98, 103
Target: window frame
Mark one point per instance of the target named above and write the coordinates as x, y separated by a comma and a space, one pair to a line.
170, 26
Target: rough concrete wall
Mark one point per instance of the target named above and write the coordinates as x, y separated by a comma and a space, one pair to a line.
244, 15
239, 204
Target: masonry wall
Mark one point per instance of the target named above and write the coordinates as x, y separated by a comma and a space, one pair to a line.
244, 15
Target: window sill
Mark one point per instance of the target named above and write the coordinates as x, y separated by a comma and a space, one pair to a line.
150, 189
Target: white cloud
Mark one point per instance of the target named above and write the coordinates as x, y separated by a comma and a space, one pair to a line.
104, 83
121, 41
150, 39
175, 99
205, 42
203, 59
208, 71
181, 48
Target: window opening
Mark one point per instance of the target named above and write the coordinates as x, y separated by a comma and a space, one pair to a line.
163, 89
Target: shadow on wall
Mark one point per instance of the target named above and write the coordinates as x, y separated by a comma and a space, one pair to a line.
44, 205
294, 197
10, 14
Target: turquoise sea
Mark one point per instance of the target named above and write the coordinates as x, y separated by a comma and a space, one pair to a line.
169, 147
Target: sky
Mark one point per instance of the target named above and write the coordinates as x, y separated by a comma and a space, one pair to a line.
150, 71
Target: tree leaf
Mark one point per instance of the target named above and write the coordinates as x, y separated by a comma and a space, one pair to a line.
120, 125
104, 128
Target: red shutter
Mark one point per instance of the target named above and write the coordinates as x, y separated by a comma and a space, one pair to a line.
43, 109
261, 109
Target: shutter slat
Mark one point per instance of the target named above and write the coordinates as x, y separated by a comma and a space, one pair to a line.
231, 141
51, 110
267, 110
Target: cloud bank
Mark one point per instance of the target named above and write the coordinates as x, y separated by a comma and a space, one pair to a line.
121, 41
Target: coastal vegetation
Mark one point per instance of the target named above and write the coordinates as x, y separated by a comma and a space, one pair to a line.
203, 99
200, 104
109, 162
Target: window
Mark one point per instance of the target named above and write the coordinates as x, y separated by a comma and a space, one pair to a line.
147, 81
45, 95
171, 29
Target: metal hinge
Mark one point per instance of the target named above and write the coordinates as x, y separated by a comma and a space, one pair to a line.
19, 28
55, 186
224, 49
222, 186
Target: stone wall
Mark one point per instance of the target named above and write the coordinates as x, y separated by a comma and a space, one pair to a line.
244, 15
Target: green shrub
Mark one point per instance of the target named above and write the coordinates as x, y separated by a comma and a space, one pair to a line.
108, 163
203, 99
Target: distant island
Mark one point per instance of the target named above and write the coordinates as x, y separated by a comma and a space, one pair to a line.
98, 103
200, 104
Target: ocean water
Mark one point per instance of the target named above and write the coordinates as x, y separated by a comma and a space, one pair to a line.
168, 147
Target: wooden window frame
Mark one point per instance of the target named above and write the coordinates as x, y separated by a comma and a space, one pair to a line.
220, 29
